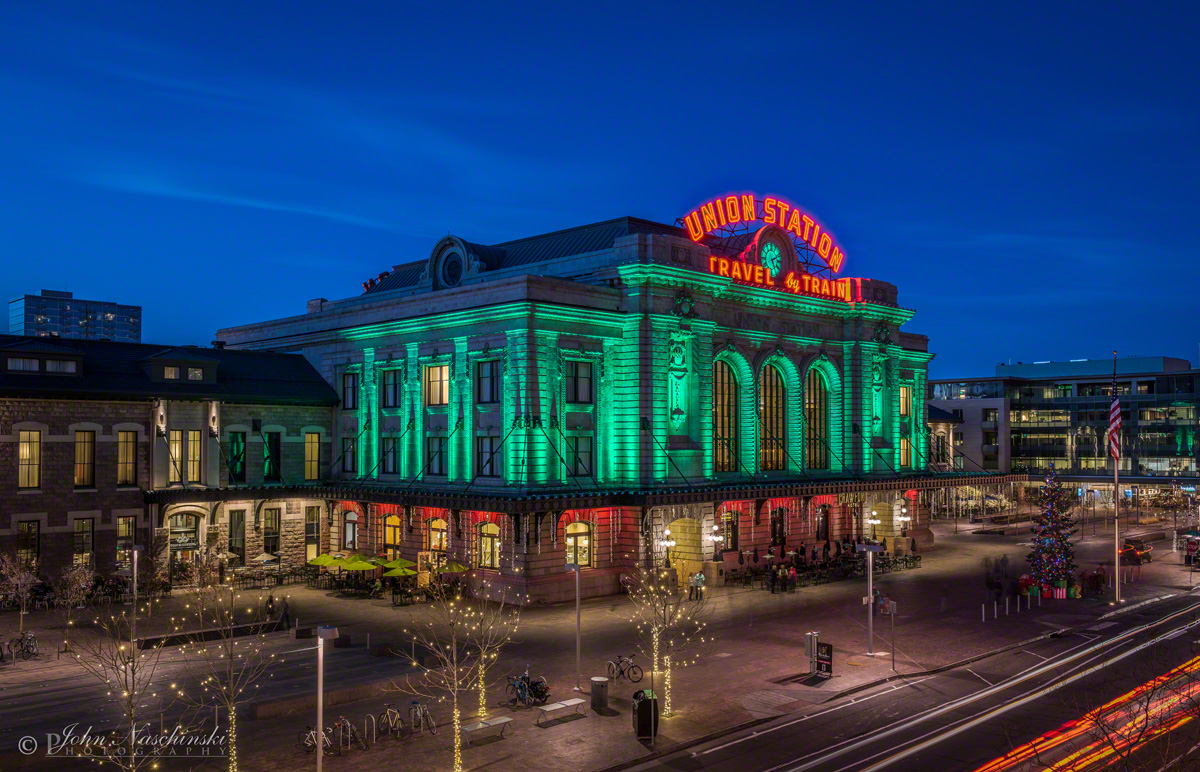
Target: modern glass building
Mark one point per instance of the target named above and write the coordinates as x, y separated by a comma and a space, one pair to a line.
55, 314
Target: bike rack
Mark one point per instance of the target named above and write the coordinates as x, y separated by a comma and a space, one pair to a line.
374, 728
343, 736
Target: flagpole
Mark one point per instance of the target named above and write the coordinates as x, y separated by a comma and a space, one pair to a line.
1116, 495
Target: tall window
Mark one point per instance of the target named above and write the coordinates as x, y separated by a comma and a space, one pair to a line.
579, 543
237, 534
125, 539
349, 455
579, 456
940, 447
237, 457
435, 455
729, 529
437, 385
772, 408
487, 382
171, 373
29, 460
312, 532
816, 422
271, 531
437, 535
85, 459
312, 456
778, 527
175, 451
126, 458
905, 452
393, 535
272, 468
349, 391
487, 456
489, 545
392, 386
83, 532
725, 416
350, 532
28, 541
579, 382
905, 400
193, 456
387, 464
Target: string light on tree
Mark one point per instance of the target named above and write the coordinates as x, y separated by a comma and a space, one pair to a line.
1052, 559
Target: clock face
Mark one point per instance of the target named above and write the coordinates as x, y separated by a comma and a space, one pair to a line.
771, 258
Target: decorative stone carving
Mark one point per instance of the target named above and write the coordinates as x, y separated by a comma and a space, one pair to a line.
678, 366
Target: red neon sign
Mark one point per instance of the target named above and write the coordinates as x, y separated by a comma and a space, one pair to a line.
799, 283
734, 209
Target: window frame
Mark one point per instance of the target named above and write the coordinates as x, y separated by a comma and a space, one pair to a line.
85, 458
440, 543
387, 455
312, 456
570, 541
126, 541
195, 373
29, 459
772, 409
237, 457
489, 546
905, 400
28, 540
575, 465
573, 379
194, 451
85, 536
272, 535
393, 388
175, 457
127, 448
725, 418
487, 459
272, 457
439, 396
435, 463
490, 395
816, 421
171, 372
237, 516
349, 391
349, 455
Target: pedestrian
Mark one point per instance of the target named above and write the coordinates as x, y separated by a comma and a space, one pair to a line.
825, 552
771, 581
691, 586
700, 583
270, 605
285, 617
814, 553
1004, 566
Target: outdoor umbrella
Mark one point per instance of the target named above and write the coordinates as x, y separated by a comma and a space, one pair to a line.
400, 572
359, 565
265, 558
452, 568
399, 563
321, 560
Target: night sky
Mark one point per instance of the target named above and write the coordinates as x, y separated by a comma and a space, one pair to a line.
1026, 174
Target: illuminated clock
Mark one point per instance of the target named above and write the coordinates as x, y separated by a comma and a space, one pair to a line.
771, 258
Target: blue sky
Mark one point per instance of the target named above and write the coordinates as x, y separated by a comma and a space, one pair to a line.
1025, 173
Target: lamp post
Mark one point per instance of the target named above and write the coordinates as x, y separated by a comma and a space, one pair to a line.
873, 521
904, 520
578, 688
324, 633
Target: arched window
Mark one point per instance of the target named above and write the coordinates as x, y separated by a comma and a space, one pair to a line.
391, 536
579, 543
816, 421
772, 408
489, 545
725, 416
437, 535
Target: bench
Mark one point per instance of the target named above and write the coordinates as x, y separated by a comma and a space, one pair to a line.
547, 709
491, 723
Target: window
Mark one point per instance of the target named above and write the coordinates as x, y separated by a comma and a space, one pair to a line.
125, 540
126, 458
391, 388
725, 417
28, 542
349, 455
22, 365
905, 452
29, 460
350, 534
771, 411
272, 457
312, 456
958, 413
579, 382
60, 365
237, 457
83, 530
489, 545
175, 453
435, 455
85, 459
905, 400
958, 438
958, 462
393, 535
349, 391
487, 382
579, 544
729, 529
437, 385
778, 527
940, 448
195, 373
487, 456
271, 531
237, 534
579, 456
171, 373
816, 421
437, 535
312, 532
387, 462
194, 448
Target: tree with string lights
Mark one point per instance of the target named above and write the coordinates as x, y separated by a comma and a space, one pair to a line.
1052, 559
17, 579
670, 627
71, 590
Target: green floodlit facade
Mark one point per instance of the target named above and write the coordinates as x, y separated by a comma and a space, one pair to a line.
570, 378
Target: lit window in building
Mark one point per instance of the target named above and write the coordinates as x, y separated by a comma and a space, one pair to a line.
579, 382
60, 365
393, 535
175, 453
171, 373
392, 386
905, 400
28, 541
437, 385
437, 535
772, 409
435, 455
579, 456
905, 452
349, 455
83, 533
273, 457
487, 382
579, 543
816, 421
489, 545
312, 532
22, 365
725, 416
237, 457
350, 391
126, 458
312, 456
195, 373
85, 459
487, 456
237, 534
29, 459
387, 462
194, 448
271, 531
125, 540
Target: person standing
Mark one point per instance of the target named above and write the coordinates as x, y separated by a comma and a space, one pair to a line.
700, 584
691, 586
285, 617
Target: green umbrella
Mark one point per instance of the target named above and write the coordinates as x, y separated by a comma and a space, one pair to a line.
452, 568
322, 560
399, 563
400, 572
359, 565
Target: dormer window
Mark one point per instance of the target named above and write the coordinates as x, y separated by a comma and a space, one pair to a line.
22, 365
195, 373
170, 373
61, 366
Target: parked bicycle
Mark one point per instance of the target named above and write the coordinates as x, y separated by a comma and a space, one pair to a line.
347, 735
624, 668
24, 644
392, 722
308, 741
523, 690
419, 716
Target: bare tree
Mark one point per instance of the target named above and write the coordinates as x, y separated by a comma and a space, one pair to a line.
18, 578
71, 589
461, 637
496, 624
670, 627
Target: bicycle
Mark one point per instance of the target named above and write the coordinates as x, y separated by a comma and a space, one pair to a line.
347, 732
391, 722
518, 692
308, 741
25, 644
418, 716
624, 668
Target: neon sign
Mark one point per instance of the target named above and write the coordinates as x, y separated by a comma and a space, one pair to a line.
744, 208
796, 282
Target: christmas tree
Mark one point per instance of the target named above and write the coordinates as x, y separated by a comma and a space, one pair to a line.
1052, 559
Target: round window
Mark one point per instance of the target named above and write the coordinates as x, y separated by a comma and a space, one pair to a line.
452, 270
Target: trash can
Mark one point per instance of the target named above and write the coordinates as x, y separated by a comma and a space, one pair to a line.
645, 714
599, 693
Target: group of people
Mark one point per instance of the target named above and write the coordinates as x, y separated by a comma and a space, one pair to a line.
696, 585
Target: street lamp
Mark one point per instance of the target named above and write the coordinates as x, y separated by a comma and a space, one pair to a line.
873, 521
324, 633
904, 520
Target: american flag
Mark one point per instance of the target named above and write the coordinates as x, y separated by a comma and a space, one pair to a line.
1114, 419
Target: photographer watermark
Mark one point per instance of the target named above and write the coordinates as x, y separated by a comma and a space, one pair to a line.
79, 742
